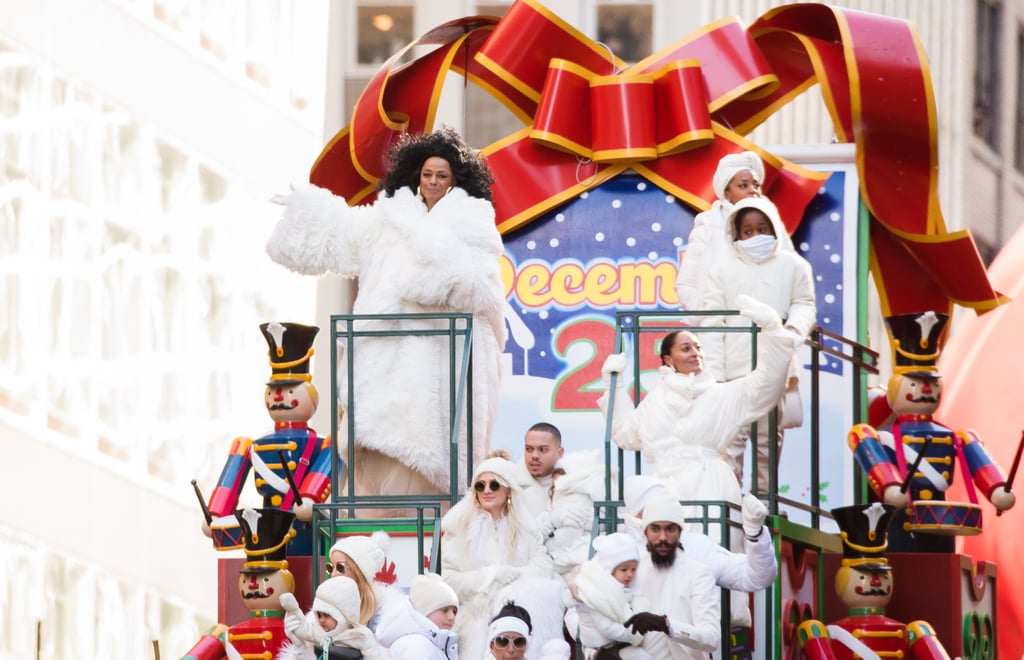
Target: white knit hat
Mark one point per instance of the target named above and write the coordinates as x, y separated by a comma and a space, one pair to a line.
429, 593
638, 490
368, 552
339, 597
731, 165
503, 469
664, 508
614, 549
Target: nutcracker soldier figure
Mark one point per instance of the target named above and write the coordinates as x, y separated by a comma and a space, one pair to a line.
864, 583
261, 582
912, 465
292, 465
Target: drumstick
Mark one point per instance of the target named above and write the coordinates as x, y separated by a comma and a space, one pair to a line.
1016, 464
917, 461
1013, 468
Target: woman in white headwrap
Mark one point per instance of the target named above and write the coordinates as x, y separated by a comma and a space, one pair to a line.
738, 176
492, 551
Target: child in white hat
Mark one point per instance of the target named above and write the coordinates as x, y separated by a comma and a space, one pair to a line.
420, 626
332, 621
737, 177
605, 600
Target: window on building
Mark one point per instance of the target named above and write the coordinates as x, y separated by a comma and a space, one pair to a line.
492, 8
986, 70
1018, 119
382, 29
625, 27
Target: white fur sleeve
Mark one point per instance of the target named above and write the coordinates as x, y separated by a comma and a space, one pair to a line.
318, 233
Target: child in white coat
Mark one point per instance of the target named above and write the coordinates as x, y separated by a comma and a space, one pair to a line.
737, 177
420, 626
758, 265
333, 621
604, 600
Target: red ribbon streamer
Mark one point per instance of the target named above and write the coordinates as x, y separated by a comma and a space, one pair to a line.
587, 118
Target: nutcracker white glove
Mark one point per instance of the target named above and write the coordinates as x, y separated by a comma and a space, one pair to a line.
758, 312
753, 513
893, 496
613, 364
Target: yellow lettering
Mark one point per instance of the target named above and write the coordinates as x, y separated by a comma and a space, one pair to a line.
567, 285
600, 284
648, 276
603, 285
532, 285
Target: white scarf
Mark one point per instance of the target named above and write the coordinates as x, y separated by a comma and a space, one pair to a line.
758, 247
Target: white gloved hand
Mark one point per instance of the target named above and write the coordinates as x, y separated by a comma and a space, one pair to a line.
1002, 499
304, 511
758, 312
289, 604
753, 513
507, 574
282, 199
613, 364
893, 496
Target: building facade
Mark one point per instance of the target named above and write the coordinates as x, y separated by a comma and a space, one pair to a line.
140, 142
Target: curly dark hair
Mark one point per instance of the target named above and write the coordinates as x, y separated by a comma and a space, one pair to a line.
406, 158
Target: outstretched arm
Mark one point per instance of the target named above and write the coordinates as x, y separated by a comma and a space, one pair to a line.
318, 232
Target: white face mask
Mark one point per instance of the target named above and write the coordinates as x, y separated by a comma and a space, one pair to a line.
759, 247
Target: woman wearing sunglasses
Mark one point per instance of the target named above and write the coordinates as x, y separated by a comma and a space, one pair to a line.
509, 632
361, 559
492, 551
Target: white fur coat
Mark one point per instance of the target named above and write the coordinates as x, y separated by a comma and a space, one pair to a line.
407, 260
483, 566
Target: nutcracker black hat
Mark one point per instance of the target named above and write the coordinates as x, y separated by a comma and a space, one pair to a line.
916, 342
291, 347
863, 529
267, 533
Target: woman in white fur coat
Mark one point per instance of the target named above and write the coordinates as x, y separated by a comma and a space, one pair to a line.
427, 245
685, 424
493, 552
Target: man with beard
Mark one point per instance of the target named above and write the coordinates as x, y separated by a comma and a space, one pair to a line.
683, 621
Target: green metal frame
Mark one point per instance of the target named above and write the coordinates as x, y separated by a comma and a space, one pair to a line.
339, 513
860, 357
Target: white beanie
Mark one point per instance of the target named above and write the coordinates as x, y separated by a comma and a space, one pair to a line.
614, 549
339, 597
731, 165
368, 552
637, 490
664, 508
429, 593
503, 469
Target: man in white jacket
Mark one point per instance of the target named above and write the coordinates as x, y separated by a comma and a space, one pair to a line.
683, 622
559, 490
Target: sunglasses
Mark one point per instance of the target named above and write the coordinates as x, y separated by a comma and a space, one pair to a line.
501, 642
338, 567
480, 485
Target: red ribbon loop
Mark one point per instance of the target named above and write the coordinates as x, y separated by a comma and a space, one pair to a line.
623, 117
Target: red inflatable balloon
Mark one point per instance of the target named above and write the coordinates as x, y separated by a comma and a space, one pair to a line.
982, 366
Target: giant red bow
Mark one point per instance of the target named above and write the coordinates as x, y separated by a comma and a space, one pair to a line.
588, 117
